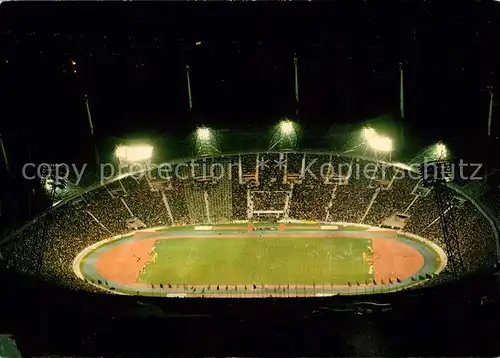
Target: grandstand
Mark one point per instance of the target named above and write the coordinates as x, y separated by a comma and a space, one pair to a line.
292, 188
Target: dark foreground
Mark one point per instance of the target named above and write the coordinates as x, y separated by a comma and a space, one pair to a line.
440, 322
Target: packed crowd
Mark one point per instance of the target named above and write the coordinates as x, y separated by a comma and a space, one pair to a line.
102, 213
269, 199
151, 212
397, 198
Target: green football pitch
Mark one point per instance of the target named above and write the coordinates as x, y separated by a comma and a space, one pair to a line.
259, 260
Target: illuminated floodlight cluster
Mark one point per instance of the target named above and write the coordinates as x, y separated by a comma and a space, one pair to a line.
287, 127
206, 142
285, 136
134, 153
369, 133
376, 141
203, 133
441, 151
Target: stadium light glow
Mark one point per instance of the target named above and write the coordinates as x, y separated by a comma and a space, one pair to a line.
134, 153
376, 141
441, 151
369, 133
47, 185
203, 133
286, 127
285, 135
381, 144
206, 141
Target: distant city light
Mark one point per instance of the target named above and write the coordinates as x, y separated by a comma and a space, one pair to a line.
134, 153
198, 43
73, 63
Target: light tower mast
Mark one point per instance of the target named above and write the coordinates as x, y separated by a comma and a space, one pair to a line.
296, 72
401, 92
4, 156
490, 110
91, 127
188, 79
437, 174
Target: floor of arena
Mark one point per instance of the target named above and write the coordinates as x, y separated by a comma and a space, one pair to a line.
234, 261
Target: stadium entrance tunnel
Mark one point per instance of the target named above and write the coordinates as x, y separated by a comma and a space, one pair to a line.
285, 260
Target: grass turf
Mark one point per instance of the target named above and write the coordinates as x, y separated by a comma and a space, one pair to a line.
255, 260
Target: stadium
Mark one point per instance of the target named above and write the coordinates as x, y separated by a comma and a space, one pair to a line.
283, 222
258, 180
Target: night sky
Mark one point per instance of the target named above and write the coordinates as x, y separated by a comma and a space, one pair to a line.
130, 59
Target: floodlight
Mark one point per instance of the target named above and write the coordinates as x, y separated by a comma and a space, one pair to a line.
286, 127
381, 143
376, 141
134, 153
369, 134
47, 185
441, 151
203, 133
206, 141
285, 135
